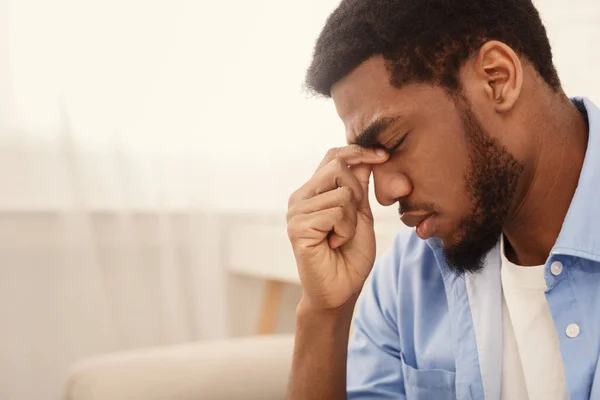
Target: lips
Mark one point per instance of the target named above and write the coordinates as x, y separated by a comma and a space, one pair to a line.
424, 224
414, 220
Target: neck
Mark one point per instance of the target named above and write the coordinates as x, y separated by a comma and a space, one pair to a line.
548, 183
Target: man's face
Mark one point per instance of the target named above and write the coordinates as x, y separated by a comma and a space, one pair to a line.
451, 179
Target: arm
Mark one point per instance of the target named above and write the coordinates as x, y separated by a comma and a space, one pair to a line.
319, 363
368, 366
330, 226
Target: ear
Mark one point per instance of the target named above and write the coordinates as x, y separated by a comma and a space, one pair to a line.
502, 74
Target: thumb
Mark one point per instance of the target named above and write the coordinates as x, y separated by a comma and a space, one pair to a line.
362, 172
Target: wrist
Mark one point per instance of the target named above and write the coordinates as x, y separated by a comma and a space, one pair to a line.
338, 317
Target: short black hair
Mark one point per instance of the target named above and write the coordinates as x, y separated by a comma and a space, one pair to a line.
425, 40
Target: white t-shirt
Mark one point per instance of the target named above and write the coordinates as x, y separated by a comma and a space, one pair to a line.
532, 366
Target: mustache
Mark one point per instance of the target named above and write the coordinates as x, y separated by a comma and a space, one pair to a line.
405, 206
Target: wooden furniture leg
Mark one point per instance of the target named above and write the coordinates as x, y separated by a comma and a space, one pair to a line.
270, 307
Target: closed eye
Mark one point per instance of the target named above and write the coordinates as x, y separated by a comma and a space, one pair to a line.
390, 150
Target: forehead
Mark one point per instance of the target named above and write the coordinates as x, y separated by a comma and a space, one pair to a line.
365, 95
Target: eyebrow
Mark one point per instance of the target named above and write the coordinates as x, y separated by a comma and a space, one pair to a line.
369, 137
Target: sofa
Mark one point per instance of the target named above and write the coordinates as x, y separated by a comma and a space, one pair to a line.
245, 368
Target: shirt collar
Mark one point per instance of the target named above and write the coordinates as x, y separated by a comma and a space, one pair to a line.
580, 232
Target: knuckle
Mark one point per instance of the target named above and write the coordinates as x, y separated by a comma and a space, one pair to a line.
346, 194
340, 163
290, 214
336, 165
293, 199
338, 213
356, 149
335, 170
338, 169
332, 153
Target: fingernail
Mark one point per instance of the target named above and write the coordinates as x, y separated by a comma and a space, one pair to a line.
381, 152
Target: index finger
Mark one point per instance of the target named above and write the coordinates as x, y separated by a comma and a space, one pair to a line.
354, 154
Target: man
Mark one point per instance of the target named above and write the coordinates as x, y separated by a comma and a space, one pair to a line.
457, 112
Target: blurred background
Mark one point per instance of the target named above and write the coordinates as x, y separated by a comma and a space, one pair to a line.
147, 151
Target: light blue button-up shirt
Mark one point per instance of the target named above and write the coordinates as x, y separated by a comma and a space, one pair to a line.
423, 332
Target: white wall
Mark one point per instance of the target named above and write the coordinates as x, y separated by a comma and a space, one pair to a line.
213, 88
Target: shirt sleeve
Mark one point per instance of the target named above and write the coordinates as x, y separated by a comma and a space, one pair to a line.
374, 369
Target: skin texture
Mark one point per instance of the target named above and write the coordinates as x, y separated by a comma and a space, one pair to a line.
441, 160
534, 125
506, 147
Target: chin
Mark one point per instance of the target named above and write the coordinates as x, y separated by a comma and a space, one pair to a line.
449, 237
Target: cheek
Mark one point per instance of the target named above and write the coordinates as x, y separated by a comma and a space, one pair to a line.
442, 175
442, 154
442, 182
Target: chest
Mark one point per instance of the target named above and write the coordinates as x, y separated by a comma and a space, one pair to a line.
453, 342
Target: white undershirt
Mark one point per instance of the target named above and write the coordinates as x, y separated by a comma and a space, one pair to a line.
532, 366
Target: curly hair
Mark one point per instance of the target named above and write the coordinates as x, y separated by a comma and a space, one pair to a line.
425, 40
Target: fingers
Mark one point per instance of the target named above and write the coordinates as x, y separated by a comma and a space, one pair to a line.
325, 207
340, 231
332, 176
333, 172
308, 230
341, 197
362, 173
354, 154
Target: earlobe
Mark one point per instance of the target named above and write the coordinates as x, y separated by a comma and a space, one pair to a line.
501, 69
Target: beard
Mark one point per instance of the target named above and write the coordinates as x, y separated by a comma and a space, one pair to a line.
491, 181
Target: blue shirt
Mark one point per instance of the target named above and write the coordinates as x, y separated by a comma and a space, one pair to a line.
422, 332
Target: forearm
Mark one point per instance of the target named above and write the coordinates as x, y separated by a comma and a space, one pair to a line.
320, 354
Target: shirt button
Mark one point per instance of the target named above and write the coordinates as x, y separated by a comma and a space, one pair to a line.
556, 268
573, 330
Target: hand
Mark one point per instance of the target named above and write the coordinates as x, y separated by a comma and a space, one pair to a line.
330, 226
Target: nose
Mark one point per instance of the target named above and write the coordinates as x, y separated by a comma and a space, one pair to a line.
390, 185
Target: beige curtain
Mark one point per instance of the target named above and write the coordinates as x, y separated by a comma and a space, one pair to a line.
127, 127
78, 278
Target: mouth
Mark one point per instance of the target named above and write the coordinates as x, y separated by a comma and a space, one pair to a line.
422, 222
